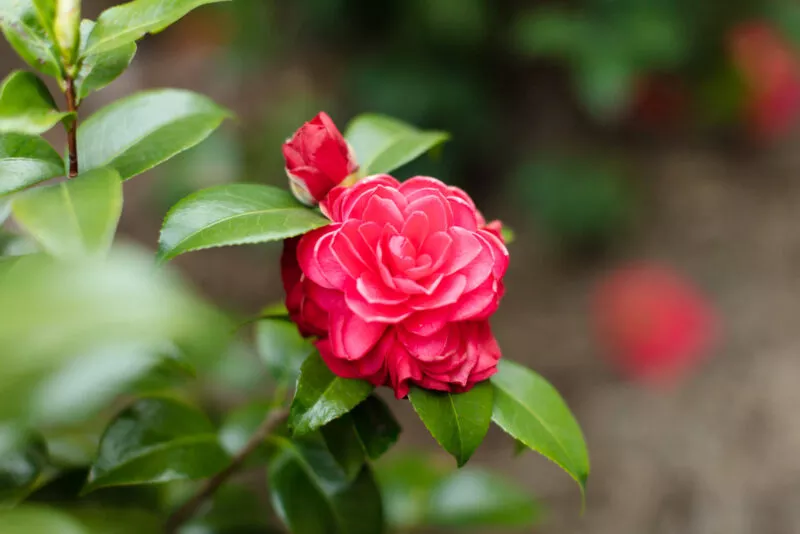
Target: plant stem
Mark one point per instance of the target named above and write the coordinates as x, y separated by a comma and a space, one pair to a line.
189, 509
72, 129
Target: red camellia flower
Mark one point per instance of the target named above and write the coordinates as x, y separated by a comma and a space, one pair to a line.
654, 325
400, 286
770, 68
317, 159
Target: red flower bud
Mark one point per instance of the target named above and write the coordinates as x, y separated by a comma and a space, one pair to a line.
770, 68
652, 324
317, 159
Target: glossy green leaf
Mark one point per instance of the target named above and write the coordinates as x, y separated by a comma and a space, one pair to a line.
344, 443
234, 214
31, 519
46, 10
156, 440
282, 348
66, 27
475, 498
240, 424
99, 70
75, 217
459, 422
322, 396
528, 408
303, 476
138, 132
368, 431
20, 469
377, 428
26, 105
21, 25
88, 306
126, 23
26, 160
383, 144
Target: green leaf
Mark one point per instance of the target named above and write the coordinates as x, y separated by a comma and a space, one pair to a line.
235, 509
73, 218
156, 440
508, 235
109, 317
282, 348
475, 498
99, 70
26, 105
234, 214
38, 519
406, 481
344, 444
377, 428
26, 160
240, 424
369, 430
138, 132
303, 476
126, 23
528, 408
383, 144
419, 492
21, 468
322, 396
458, 421
22, 27
5, 208
106, 520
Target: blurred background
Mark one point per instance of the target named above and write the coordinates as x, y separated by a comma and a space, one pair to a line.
646, 154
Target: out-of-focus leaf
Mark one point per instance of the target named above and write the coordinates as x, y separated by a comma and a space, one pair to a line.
240, 424
458, 421
278, 309
550, 32
138, 132
26, 160
528, 408
383, 144
406, 481
126, 23
5, 208
86, 306
23, 29
508, 235
156, 440
418, 493
38, 520
26, 105
234, 214
20, 468
322, 396
473, 498
76, 217
99, 70
116, 520
234, 509
304, 476
282, 348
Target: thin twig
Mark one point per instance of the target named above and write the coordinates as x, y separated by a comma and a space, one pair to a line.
189, 509
72, 129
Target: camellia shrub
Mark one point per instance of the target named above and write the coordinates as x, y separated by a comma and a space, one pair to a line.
103, 425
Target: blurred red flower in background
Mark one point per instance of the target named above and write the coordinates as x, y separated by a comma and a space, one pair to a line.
652, 324
770, 69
